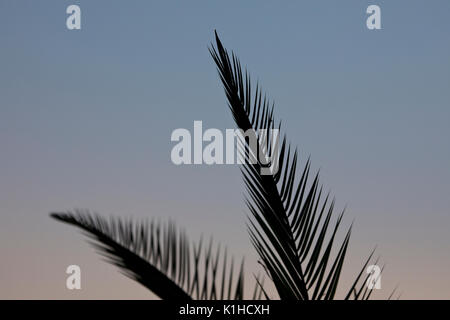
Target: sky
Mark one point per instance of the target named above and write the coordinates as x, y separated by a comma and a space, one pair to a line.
86, 118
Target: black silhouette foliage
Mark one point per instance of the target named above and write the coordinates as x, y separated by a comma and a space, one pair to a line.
290, 224
162, 259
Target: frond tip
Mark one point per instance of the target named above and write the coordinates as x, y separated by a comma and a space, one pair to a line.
161, 258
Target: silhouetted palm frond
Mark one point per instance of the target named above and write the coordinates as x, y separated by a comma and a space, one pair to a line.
291, 227
162, 259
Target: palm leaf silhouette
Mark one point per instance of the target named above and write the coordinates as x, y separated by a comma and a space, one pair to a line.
162, 259
290, 224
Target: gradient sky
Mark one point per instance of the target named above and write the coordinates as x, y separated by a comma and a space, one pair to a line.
86, 118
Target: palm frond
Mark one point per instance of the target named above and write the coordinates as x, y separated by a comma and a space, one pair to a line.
161, 258
291, 218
